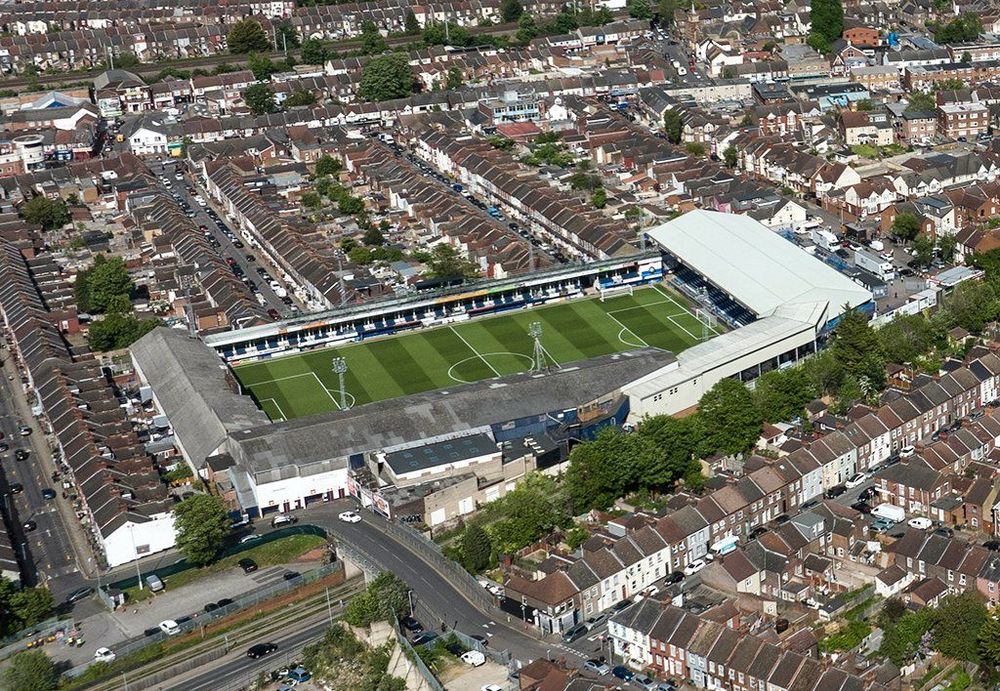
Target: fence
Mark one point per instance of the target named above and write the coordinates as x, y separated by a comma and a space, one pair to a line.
203, 619
43, 630
411, 654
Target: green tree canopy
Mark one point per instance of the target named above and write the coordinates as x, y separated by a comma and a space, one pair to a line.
527, 513
313, 52
22, 607
202, 525
118, 330
97, 286
455, 79
827, 19
384, 599
730, 420
673, 126
855, 345
639, 9
599, 198
328, 165
261, 66
780, 395
259, 99
964, 28
411, 23
299, 97
477, 550
920, 102
957, 622
905, 226
989, 643
48, 213
247, 36
730, 156
924, 246
30, 670
372, 42
386, 77
445, 262
511, 10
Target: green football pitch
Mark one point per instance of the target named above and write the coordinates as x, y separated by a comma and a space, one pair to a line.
377, 369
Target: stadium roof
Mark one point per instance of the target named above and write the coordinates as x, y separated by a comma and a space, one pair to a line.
755, 265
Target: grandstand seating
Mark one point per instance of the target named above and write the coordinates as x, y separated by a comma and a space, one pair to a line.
724, 306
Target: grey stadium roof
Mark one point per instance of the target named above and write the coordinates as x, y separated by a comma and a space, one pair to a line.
191, 386
297, 446
753, 264
440, 453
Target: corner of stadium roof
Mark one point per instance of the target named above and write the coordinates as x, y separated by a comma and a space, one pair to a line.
795, 297
754, 265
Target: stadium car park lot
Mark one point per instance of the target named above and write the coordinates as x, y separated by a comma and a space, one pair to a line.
468, 351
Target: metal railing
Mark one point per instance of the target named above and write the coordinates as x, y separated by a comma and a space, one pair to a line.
20, 640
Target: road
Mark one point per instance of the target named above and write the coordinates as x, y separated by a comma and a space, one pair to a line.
48, 556
227, 250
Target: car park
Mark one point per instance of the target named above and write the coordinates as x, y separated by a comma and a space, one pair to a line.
248, 565
597, 666
260, 650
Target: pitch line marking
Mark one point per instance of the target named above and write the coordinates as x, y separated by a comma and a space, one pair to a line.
275, 402
641, 340
683, 309
476, 352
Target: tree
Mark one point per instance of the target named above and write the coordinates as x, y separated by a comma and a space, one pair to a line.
606, 468
261, 66
525, 514
730, 156
923, 245
259, 99
247, 36
972, 305
781, 394
966, 57
373, 236
827, 20
48, 213
905, 226
957, 622
665, 12
600, 198
328, 165
118, 330
526, 28
639, 9
946, 246
455, 80
730, 420
856, 347
965, 27
511, 10
313, 52
30, 670
299, 97
372, 42
202, 525
97, 286
32, 606
445, 262
674, 441
476, 549
386, 77
673, 126
695, 148
411, 23
818, 42
908, 337
989, 642
919, 101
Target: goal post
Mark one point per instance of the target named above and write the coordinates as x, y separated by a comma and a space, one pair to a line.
707, 321
612, 290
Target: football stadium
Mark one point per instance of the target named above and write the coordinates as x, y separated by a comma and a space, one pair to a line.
467, 351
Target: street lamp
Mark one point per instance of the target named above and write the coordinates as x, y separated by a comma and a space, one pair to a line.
135, 551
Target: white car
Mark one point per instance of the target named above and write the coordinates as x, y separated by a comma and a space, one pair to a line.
104, 655
919, 523
906, 451
492, 687
694, 567
170, 627
474, 658
349, 517
855, 480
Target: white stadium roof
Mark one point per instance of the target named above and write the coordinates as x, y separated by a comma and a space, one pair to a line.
755, 265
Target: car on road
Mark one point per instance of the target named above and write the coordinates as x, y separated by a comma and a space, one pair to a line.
596, 621
210, 607
644, 682
835, 491
855, 480
48, 494
573, 633
16, 488
480, 639
668, 685
882, 524
104, 655
757, 532
623, 673
597, 667
170, 627
249, 538
291, 575
862, 507
492, 687
224, 602
674, 577
919, 523
261, 649
694, 567
349, 517
79, 594
248, 565
411, 625
24, 430
474, 658
906, 452
29, 525
423, 637
283, 519
21, 454
992, 545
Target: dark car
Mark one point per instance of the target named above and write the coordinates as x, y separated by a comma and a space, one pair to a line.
480, 639
756, 532
411, 625
224, 602
782, 519
572, 634
835, 492
248, 565
423, 637
29, 525
862, 507
291, 575
16, 488
623, 673
4, 446
79, 594
211, 607
809, 505
273, 313
675, 577
992, 545
261, 649
48, 493
21, 454
620, 605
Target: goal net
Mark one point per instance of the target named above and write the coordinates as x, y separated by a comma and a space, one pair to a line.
611, 291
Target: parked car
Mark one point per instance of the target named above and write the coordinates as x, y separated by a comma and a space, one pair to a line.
856, 480
299, 674
210, 607
919, 523
694, 567
79, 594
597, 667
154, 583
249, 538
349, 517
21, 454
423, 637
862, 507
29, 525
596, 620
291, 575
248, 565
24, 430
835, 491
474, 658
48, 494
261, 649
16, 488
756, 532
674, 577
480, 639
623, 673
224, 602
170, 627
574, 633
104, 655
644, 682
411, 624
906, 452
